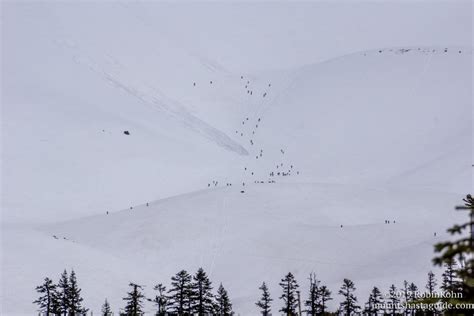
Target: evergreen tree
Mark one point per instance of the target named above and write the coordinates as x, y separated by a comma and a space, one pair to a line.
394, 300
462, 250
412, 290
349, 305
180, 292
325, 296
406, 295
313, 301
223, 304
134, 301
265, 300
289, 286
201, 294
74, 297
160, 300
374, 302
63, 294
431, 283
45, 302
450, 281
106, 310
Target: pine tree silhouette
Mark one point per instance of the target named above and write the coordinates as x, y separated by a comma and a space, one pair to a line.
394, 300
134, 301
74, 297
160, 300
461, 250
412, 289
63, 293
47, 299
313, 301
374, 302
450, 281
349, 305
180, 292
325, 296
289, 286
406, 294
106, 310
223, 304
431, 283
201, 294
265, 301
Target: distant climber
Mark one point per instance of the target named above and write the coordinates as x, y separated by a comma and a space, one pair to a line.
126, 132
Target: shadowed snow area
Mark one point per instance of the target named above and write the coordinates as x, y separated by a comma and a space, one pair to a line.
138, 140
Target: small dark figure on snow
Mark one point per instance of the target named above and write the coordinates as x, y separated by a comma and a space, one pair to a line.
147, 204
107, 212
194, 84
126, 132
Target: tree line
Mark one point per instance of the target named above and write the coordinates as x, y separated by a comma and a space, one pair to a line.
192, 295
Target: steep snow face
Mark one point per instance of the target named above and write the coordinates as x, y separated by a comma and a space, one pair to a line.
73, 88
392, 116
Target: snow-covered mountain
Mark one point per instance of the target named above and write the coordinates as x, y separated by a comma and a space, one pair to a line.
249, 175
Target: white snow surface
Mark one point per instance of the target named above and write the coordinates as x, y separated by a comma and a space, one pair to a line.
368, 136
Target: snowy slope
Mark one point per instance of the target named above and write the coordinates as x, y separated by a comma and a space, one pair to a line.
372, 136
240, 240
